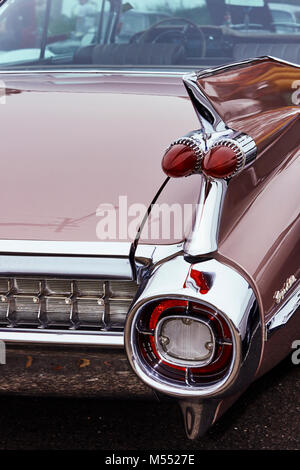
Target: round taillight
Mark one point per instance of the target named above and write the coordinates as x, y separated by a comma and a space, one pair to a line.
223, 160
184, 341
182, 158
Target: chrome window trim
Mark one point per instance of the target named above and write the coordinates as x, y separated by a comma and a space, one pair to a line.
86, 71
184, 71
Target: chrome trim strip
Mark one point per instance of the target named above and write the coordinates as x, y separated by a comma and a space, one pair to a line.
148, 253
285, 312
144, 71
80, 338
93, 71
203, 239
67, 267
247, 146
65, 247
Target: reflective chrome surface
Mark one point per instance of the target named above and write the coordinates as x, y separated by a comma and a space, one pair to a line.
247, 147
285, 312
76, 304
108, 252
197, 415
112, 249
209, 118
152, 254
59, 337
204, 237
230, 295
91, 267
66, 260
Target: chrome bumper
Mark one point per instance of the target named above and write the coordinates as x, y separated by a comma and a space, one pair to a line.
104, 339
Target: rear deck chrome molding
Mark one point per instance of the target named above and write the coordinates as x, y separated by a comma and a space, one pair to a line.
148, 253
50, 247
231, 296
67, 267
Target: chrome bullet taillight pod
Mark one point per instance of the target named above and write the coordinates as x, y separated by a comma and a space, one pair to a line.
219, 156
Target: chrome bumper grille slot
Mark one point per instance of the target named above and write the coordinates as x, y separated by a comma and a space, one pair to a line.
65, 304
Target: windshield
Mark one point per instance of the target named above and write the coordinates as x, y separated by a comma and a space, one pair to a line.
171, 34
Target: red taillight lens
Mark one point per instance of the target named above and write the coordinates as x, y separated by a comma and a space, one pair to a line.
180, 160
197, 279
185, 157
161, 307
220, 162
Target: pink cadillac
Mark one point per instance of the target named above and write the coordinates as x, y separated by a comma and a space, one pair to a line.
149, 225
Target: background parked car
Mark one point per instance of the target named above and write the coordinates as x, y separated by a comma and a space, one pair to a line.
286, 17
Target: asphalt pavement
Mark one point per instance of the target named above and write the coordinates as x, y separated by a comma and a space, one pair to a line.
267, 416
